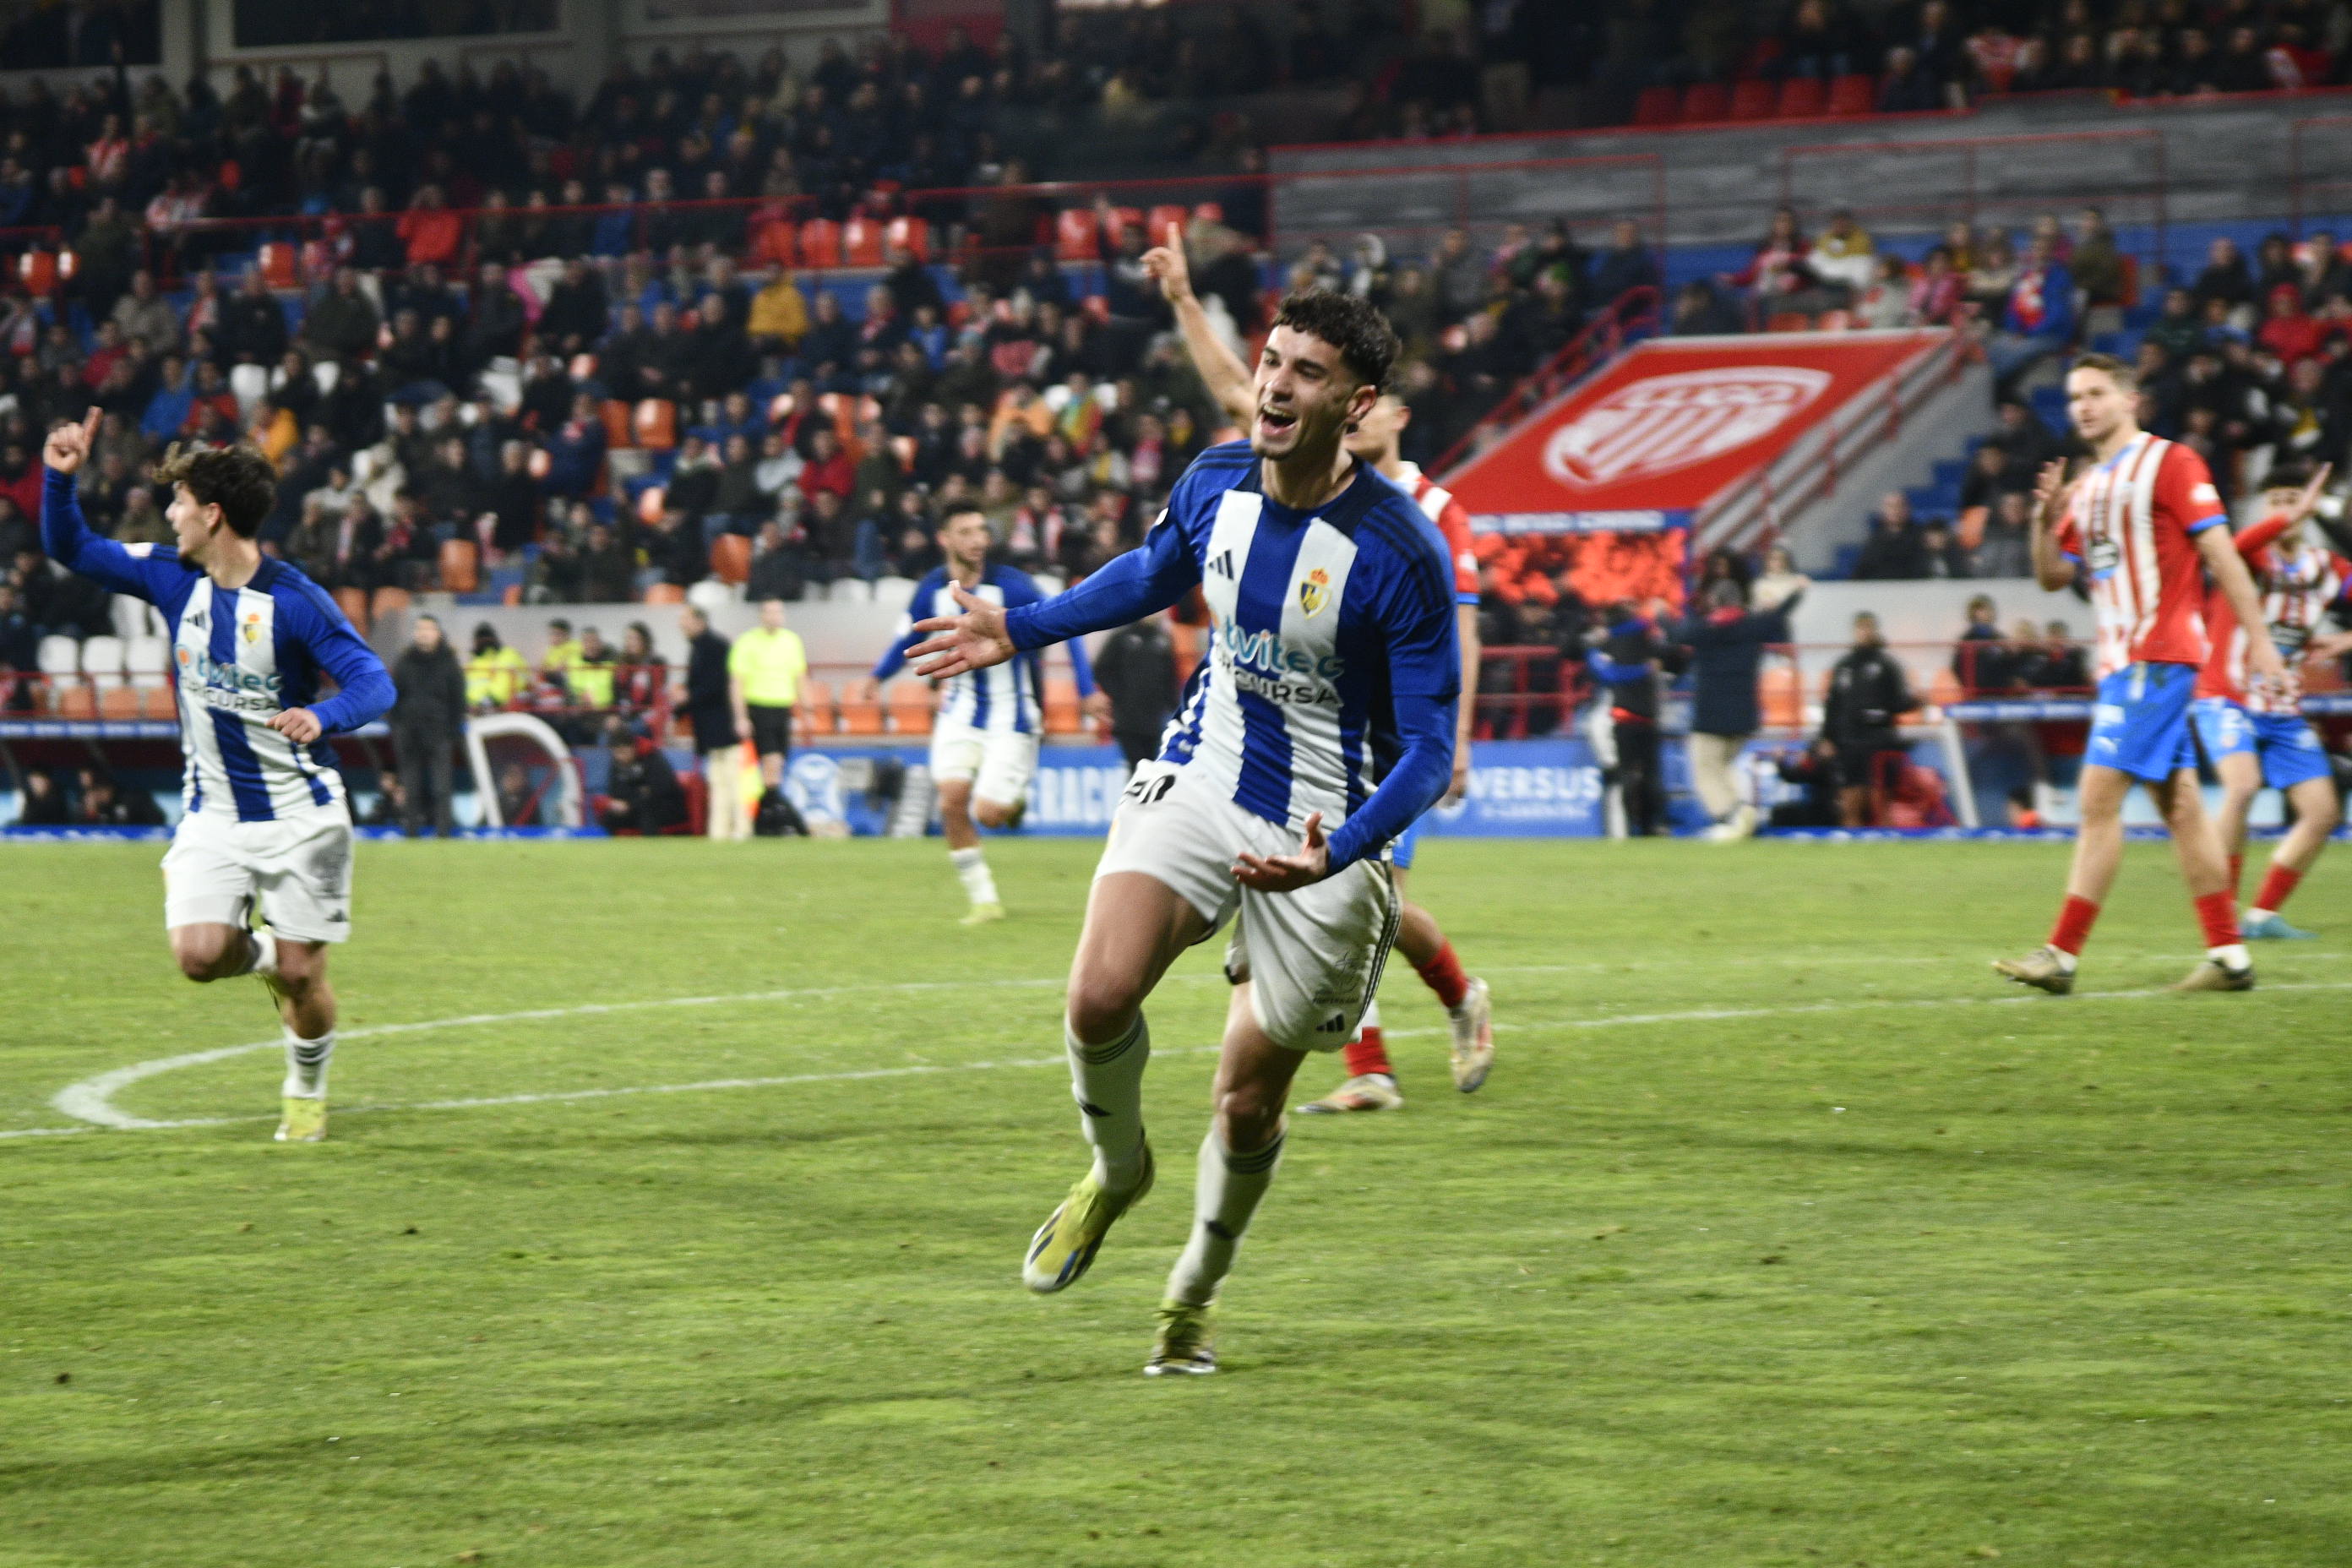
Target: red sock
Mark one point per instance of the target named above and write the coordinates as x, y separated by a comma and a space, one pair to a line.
2218, 913
2278, 886
2238, 876
1365, 1054
2073, 928
1443, 975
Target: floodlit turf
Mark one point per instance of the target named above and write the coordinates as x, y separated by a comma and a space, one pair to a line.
1782, 1234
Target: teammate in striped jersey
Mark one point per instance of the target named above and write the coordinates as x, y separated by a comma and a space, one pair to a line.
2257, 738
265, 820
984, 738
2140, 524
1371, 1083
1320, 725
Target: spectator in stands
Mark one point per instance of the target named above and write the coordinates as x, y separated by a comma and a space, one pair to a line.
2063, 666
1939, 556
1844, 256
1908, 86
779, 569
642, 795
1935, 291
2098, 265
765, 669
1892, 553
428, 721
1778, 583
2227, 279
1727, 644
608, 570
342, 323
1887, 302
1779, 275
1626, 265
2290, 332
2038, 320
144, 317
710, 718
2006, 548
1868, 694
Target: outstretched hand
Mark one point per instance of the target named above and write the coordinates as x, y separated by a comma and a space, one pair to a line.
1287, 873
2051, 489
973, 640
69, 444
1167, 263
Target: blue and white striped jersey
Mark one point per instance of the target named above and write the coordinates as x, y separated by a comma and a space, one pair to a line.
1004, 696
239, 655
1332, 666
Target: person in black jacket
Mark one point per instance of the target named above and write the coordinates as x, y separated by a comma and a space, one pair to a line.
103, 804
428, 718
710, 712
641, 793
1627, 659
1727, 645
1135, 686
1868, 691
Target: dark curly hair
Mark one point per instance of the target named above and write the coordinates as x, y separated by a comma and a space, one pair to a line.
237, 479
1367, 343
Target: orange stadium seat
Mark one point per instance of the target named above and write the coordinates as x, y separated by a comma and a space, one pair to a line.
1788, 321
1780, 697
861, 242
1706, 101
119, 702
731, 558
860, 715
385, 601
911, 705
1074, 233
352, 602
159, 702
1944, 689
461, 566
912, 235
77, 700
1854, 95
617, 433
1801, 98
655, 420
814, 715
1754, 100
665, 593
819, 243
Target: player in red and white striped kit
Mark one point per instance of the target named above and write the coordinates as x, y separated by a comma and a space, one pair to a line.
1371, 1083
2255, 738
2146, 525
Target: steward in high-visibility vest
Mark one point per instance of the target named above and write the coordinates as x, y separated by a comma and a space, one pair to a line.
495, 676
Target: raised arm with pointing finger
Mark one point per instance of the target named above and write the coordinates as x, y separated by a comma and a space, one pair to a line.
1227, 379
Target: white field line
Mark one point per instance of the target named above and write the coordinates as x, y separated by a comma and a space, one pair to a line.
89, 1101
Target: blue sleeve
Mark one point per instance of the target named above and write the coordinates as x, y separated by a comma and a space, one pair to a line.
894, 657
1424, 655
320, 628
1425, 725
1142, 582
1609, 670
148, 575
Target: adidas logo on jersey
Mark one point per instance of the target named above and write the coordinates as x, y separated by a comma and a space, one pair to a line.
1337, 1023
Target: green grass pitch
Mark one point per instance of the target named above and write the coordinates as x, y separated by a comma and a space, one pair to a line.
1781, 1234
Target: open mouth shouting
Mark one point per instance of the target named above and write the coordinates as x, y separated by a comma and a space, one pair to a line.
1274, 424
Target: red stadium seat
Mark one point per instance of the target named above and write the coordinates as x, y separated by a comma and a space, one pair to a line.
1123, 219
731, 558
37, 270
1156, 226
1209, 212
772, 243
1801, 98
1754, 100
655, 421
2131, 282
819, 243
1655, 106
618, 432
1705, 101
1074, 233
277, 263
1835, 322
912, 235
1788, 321
861, 242
1852, 95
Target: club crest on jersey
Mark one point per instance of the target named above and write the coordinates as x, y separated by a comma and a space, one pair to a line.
1314, 591
253, 627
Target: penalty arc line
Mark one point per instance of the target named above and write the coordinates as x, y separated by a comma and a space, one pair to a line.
89, 1100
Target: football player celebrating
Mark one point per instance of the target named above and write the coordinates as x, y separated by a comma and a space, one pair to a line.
2140, 523
265, 821
1371, 1083
2257, 737
1320, 725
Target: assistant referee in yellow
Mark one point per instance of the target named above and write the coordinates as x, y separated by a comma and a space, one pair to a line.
764, 671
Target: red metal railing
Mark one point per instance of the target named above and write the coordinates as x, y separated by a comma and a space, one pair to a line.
1632, 315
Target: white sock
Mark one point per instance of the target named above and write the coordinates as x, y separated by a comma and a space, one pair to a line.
2255, 917
306, 1065
261, 955
971, 871
2233, 956
1107, 1080
1230, 1187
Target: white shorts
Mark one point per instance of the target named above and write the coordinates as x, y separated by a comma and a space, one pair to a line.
999, 762
299, 867
1312, 957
